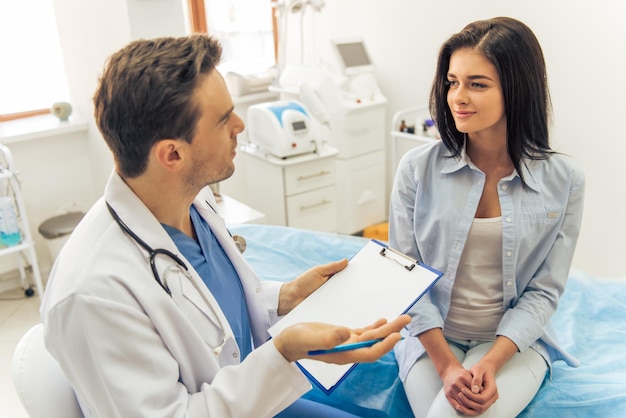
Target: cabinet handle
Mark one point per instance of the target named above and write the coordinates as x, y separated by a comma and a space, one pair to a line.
310, 176
314, 205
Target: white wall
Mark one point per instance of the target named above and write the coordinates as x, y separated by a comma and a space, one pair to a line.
89, 32
584, 42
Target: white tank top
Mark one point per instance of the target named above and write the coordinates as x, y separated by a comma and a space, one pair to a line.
476, 306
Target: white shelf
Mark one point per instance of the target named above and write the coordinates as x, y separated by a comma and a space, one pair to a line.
324, 151
38, 127
234, 212
401, 142
23, 245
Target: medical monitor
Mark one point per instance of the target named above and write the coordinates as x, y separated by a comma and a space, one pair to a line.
353, 56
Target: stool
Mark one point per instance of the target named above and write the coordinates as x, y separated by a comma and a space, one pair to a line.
57, 230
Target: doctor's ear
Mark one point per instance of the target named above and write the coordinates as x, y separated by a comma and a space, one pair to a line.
169, 153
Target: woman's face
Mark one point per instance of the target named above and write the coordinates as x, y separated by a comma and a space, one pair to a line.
475, 95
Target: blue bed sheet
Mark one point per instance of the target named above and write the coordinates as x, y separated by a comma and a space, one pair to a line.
590, 322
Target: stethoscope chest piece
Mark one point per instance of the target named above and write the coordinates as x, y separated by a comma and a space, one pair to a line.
240, 243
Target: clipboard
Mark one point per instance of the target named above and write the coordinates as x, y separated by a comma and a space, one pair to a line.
379, 282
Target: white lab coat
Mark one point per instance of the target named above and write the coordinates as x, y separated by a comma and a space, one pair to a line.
129, 349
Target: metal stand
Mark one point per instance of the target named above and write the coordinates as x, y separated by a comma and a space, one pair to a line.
26, 246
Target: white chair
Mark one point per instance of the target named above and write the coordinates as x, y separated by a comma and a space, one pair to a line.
39, 381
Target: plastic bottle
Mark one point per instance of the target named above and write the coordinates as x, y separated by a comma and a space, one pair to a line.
420, 129
431, 130
9, 228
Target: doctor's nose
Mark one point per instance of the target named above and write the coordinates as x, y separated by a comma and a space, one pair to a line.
238, 123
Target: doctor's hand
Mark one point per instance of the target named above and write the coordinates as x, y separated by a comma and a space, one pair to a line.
295, 291
296, 341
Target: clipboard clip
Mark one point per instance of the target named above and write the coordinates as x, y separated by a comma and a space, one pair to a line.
394, 254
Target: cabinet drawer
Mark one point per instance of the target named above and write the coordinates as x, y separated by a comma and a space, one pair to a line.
309, 176
316, 210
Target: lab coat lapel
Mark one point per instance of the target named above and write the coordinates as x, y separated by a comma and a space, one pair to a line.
142, 222
257, 311
203, 306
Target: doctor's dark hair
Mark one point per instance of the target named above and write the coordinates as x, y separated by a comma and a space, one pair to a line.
513, 49
146, 93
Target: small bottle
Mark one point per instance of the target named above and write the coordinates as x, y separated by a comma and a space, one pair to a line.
9, 229
402, 126
430, 129
419, 126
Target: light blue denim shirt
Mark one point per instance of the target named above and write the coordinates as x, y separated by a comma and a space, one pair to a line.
433, 203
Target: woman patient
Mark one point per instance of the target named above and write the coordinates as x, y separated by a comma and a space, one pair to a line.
496, 209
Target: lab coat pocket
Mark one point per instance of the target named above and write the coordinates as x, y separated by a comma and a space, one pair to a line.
200, 309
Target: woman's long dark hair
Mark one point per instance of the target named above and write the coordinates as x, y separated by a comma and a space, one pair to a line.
513, 49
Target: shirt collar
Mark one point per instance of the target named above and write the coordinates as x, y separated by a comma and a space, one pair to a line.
529, 169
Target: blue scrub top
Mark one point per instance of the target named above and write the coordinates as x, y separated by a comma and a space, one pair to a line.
208, 258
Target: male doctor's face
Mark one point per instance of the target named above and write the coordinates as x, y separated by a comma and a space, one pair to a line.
215, 140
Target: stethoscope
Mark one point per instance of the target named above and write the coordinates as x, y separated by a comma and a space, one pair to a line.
240, 243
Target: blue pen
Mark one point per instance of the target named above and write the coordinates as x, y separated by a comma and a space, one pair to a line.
346, 347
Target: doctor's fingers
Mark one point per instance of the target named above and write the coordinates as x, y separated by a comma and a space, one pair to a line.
381, 328
295, 291
295, 341
362, 355
328, 269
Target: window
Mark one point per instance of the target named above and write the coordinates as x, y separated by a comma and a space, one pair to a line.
246, 29
32, 76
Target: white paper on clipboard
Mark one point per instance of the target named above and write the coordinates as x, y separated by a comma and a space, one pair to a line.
378, 282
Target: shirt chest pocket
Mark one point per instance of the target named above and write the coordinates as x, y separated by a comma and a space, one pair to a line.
536, 211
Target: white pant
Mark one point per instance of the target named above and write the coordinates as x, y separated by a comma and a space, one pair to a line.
518, 381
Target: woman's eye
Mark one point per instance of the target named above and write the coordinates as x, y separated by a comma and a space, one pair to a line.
451, 82
478, 85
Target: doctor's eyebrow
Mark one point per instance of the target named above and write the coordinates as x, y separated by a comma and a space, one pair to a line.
226, 115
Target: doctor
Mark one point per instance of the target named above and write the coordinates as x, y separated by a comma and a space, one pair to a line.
150, 308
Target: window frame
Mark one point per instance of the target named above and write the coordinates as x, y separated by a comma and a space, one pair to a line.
5, 117
197, 21
21, 115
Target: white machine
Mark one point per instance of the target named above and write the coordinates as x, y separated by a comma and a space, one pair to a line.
348, 108
283, 128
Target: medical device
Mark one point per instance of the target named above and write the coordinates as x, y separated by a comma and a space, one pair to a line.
353, 56
282, 128
243, 84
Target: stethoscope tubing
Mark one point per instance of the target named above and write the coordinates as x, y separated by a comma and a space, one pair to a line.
152, 252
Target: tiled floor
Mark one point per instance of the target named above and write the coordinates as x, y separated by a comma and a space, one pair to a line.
17, 315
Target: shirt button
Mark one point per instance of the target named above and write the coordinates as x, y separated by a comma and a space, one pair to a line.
504, 187
258, 290
509, 253
509, 220
235, 355
509, 283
